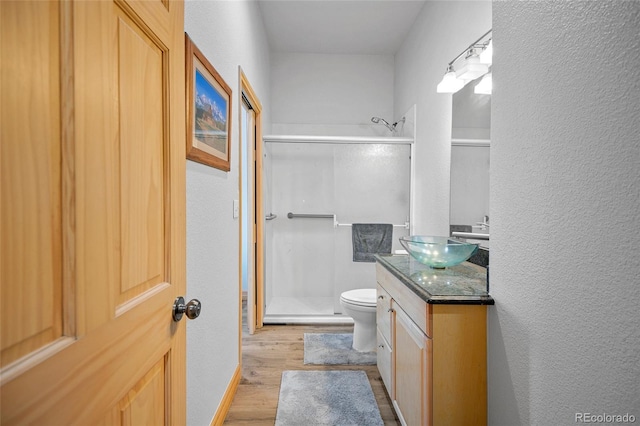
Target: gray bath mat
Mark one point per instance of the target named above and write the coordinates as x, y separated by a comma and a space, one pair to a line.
334, 349
341, 398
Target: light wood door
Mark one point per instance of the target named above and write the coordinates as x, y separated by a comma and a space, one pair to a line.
92, 212
411, 370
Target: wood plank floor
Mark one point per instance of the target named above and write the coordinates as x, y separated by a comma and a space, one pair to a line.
274, 349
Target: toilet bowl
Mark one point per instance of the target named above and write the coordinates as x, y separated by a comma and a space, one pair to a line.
360, 305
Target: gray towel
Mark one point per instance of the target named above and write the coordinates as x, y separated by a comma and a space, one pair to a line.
369, 239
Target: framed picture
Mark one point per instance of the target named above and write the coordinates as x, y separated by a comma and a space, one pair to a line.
208, 111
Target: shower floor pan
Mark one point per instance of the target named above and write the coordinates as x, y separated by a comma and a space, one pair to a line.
303, 310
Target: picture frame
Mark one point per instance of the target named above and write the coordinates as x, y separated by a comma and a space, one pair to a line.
208, 111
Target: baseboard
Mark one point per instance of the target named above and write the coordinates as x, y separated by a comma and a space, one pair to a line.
227, 399
399, 413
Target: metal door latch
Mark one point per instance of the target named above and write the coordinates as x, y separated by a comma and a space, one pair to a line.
191, 308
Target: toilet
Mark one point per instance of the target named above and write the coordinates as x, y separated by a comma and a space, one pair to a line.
360, 305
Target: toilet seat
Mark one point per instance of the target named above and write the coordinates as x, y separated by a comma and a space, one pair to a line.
365, 297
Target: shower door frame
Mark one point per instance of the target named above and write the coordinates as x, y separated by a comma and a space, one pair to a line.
342, 140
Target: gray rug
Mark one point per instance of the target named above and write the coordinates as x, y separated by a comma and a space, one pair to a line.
333, 398
334, 349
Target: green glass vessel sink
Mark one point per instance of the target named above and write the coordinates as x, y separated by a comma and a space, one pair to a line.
438, 252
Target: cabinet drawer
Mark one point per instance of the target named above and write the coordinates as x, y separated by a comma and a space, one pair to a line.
384, 362
383, 314
418, 310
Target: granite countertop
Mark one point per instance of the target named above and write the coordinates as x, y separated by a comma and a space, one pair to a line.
465, 283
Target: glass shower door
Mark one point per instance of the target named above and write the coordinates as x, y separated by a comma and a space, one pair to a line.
371, 185
310, 259
301, 249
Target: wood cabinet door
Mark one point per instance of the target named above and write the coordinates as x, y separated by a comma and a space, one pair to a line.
92, 212
412, 370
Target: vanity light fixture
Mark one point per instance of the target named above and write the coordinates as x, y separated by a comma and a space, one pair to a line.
486, 56
485, 85
473, 66
450, 83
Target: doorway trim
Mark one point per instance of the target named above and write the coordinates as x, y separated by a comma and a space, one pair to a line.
255, 297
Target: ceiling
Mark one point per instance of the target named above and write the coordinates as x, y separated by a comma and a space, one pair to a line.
372, 27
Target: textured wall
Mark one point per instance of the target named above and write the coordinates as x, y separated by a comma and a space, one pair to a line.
229, 34
441, 31
565, 212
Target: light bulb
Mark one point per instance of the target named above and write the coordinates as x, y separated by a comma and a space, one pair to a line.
485, 85
486, 56
450, 83
472, 68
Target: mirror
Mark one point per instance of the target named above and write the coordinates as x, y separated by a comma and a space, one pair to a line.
470, 144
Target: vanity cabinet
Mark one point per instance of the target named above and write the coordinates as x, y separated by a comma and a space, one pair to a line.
411, 370
431, 356
384, 351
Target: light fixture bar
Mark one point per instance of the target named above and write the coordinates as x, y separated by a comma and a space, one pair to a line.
471, 46
473, 68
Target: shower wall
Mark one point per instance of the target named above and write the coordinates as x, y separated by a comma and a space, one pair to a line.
310, 259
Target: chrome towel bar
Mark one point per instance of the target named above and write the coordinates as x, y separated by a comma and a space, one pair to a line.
405, 225
309, 216
332, 216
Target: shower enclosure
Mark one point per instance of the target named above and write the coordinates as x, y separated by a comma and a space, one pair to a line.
315, 188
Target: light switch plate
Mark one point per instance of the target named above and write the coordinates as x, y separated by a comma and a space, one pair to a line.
236, 209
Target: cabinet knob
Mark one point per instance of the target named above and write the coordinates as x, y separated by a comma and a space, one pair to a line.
390, 310
381, 346
381, 297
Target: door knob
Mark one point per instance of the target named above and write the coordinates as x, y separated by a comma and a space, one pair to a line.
191, 308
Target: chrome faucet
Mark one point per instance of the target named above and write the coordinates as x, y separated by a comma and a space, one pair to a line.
484, 225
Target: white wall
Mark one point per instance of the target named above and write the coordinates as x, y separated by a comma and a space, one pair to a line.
441, 31
564, 336
229, 34
335, 95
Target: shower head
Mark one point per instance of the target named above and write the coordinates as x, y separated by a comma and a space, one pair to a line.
383, 121
391, 127
378, 119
